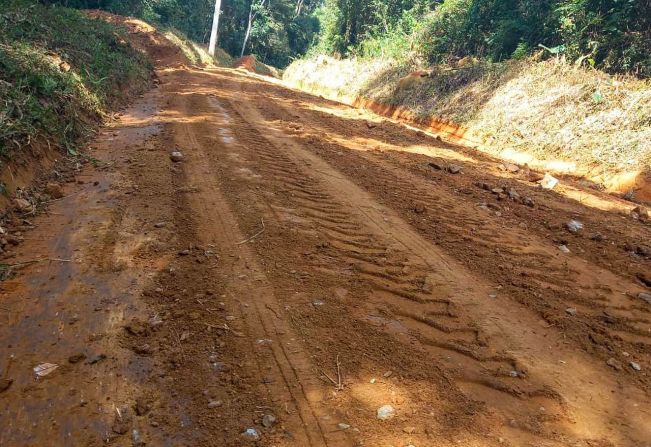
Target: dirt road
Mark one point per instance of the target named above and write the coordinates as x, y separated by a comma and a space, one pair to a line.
305, 265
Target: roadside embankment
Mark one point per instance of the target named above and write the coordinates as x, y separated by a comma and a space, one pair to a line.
549, 115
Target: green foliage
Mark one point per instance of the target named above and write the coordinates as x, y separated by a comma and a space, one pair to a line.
59, 71
282, 30
614, 35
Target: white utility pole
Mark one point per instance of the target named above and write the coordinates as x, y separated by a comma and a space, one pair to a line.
215, 28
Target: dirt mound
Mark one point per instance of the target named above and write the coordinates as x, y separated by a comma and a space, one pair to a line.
145, 37
252, 65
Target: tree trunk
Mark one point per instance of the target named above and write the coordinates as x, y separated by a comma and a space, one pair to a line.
248, 30
215, 28
250, 25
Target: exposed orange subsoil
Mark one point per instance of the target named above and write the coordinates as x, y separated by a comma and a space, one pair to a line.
306, 261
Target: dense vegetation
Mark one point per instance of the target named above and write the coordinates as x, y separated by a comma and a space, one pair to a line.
282, 30
614, 35
59, 72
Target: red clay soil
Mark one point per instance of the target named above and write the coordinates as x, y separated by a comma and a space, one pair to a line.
246, 62
306, 264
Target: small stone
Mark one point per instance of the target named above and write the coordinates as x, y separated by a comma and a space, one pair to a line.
251, 434
136, 439
613, 363
184, 252
342, 426
142, 406
564, 248
497, 191
597, 237
513, 169
386, 412
570, 311
144, 349
528, 202
268, 420
76, 358
574, 226
409, 430
22, 205
645, 296
214, 404
159, 225
176, 156
549, 182
454, 169
636, 366
388, 374
435, 165
54, 190
419, 208
513, 194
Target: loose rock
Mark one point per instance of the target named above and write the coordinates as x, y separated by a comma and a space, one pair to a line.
251, 434
214, 404
454, 169
597, 237
76, 358
635, 366
574, 226
176, 156
549, 182
142, 406
645, 296
342, 426
614, 364
54, 190
22, 205
268, 420
386, 412
570, 311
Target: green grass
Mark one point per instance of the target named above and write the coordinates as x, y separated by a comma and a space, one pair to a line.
60, 72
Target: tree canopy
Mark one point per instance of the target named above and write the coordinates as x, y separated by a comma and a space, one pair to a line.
614, 35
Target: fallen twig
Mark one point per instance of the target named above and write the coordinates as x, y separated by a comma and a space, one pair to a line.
255, 235
340, 386
34, 261
337, 383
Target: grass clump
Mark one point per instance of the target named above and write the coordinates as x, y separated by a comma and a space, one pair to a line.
60, 71
195, 53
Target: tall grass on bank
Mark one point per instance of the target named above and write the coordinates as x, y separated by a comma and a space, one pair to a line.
552, 110
60, 72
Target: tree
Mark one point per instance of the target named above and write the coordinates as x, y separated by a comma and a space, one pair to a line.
252, 15
215, 28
